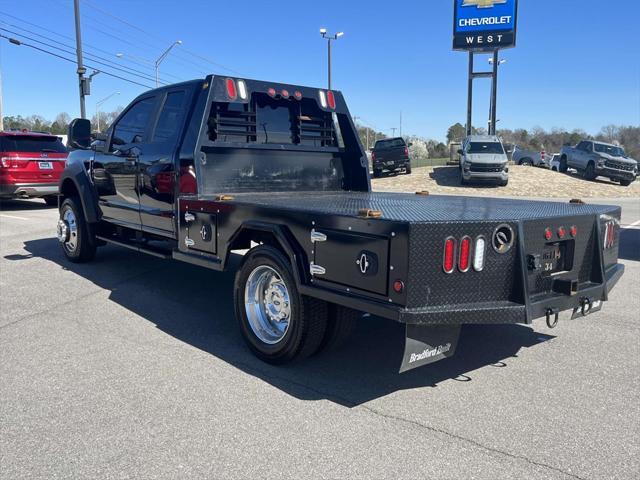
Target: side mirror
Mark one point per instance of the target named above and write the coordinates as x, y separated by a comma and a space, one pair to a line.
460, 152
79, 133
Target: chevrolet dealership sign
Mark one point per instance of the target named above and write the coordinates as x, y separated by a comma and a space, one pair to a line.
484, 25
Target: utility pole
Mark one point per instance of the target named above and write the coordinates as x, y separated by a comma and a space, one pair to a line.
323, 32
82, 82
1, 114
494, 93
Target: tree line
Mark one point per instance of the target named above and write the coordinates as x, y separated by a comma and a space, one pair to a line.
57, 126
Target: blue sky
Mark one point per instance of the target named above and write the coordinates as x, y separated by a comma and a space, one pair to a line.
576, 64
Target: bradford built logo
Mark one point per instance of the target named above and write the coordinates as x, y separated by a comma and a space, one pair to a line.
484, 24
430, 352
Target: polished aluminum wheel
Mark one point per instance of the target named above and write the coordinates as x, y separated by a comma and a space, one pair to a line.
67, 230
267, 304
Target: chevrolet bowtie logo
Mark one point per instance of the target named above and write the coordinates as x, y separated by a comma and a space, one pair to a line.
482, 3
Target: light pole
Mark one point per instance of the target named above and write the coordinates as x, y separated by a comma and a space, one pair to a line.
494, 91
163, 56
323, 32
98, 104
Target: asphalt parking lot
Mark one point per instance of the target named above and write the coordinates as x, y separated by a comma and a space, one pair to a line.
133, 367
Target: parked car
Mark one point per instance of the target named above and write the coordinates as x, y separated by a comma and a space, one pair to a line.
483, 159
391, 155
530, 158
321, 246
555, 162
593, 159
30, 165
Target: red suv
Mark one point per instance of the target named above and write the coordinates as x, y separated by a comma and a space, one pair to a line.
30, 165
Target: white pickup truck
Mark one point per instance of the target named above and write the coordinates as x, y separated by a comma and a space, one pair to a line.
594, 159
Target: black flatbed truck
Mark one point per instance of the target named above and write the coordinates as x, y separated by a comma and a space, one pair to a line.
198, 170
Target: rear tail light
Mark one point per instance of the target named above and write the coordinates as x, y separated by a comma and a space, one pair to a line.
231, 88
448, 261
479, 254
323, 98
406, 151
373, 155
15, 162
609, 234
464, 259
331, 99
543, 155
242, 89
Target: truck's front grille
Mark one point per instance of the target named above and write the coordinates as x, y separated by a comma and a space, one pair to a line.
488, 167
619, 165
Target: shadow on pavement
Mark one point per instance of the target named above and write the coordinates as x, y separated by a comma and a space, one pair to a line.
15, 205
450, 177
195, 306
628, 246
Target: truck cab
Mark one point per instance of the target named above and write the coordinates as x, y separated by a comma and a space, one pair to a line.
483, 159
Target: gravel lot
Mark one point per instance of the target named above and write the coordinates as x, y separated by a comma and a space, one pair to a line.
133, 367
523, 182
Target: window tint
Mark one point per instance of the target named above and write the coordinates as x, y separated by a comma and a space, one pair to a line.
131, 127
584, 146
394, 142
171, 118
24, 143
274, 120
609, 149
485, 147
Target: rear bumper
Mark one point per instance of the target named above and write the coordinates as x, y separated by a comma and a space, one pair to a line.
26, 190
394, 166
478, 313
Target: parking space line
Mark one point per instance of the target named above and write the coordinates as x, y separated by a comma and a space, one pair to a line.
13, 216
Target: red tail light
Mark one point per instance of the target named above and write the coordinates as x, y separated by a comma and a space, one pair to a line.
373, 155
574, 231
272, 92
464, 260
331, 99
542, 155
14, 162
297, 95
562, 232
448, 261
548, 233
231, 88
285, 93
406, 151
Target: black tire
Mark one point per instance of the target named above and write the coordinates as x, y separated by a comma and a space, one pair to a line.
408, 170
590, 172
84, 240
625, 183
563, 165
307, 318
377, 173
51, 201
527, 162
340, 324
503, 183
462, 180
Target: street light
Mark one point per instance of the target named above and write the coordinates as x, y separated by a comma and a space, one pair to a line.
493, 60
500, 62
163, 56
323, 32
98, 104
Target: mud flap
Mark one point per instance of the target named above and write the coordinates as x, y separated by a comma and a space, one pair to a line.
425, 345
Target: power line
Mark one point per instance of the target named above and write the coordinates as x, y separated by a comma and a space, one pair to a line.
129, 60
143, 76
21, 43
136, 27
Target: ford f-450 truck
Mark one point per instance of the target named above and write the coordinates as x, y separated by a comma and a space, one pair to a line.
198, 170
594, 159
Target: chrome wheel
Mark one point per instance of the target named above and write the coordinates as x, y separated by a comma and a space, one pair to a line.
267, 304
67, 230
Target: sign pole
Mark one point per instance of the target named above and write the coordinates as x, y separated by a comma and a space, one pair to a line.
494, 93
470, 95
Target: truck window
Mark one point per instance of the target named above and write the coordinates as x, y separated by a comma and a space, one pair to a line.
485, 147
584, 146
25, 143
392, 143
131, 127
171, 118
609, 150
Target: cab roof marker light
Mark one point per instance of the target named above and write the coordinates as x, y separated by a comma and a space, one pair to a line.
242, 89
298, 95
323, 98
479, 254
271, 92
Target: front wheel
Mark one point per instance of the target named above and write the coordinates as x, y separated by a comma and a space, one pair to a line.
408, 170
74, 233
590, 172
563, 165
278, 323
503, 183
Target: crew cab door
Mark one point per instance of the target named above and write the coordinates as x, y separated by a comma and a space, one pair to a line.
115, 170
157, 172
